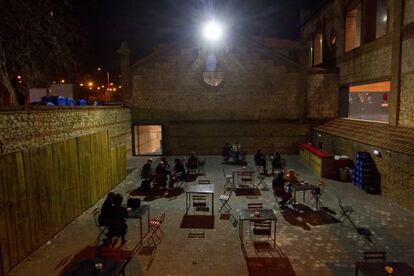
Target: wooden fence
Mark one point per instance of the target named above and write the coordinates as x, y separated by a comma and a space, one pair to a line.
44, 188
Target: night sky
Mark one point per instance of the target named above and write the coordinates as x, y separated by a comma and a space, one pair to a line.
144, 24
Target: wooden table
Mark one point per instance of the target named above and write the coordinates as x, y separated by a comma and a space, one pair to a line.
378, 268
238, 174
110, 267
249, 215
139, 214
207, 189
297, 187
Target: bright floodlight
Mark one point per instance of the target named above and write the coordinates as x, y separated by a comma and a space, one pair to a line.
212, 31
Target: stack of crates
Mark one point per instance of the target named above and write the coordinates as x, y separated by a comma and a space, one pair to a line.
365, 174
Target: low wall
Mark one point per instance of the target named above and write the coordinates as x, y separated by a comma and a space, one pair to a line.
23, 128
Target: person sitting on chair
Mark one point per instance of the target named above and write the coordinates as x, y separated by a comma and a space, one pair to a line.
276, 162
291, 176
279, 191
178, 173
226, 152
192, 162
161, 174
166, 165
117, 219
105, 209
260, 161
146, 175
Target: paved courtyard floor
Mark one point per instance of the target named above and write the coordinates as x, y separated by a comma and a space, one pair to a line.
308, 242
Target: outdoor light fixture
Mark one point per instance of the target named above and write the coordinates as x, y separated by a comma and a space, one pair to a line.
376, 153
212, 31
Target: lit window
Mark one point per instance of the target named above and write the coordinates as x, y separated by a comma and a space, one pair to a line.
369, 101
318, 48
353, 26
213, 74
382, 18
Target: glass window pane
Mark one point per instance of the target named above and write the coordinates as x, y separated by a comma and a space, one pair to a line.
382, 18
369, 101
353, 26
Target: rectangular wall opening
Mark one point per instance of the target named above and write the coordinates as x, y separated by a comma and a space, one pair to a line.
147, 139
369, 101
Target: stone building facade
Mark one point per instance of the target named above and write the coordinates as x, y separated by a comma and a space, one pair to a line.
388, 57
261, 100
34, 126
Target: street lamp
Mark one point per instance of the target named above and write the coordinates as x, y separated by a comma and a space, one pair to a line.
212, 31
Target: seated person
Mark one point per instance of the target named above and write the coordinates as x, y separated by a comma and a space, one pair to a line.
167, 166
279, 191
118, 214
260, 161
276, 162
161, 174
192, 162
105, 209
226, 152
179, 170
291, 176
146, 175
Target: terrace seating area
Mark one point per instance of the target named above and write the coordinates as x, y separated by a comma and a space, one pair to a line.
302, 239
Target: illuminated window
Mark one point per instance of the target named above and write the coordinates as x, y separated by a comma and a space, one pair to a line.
382, 18
369, 101
318, 48
213, 74
353, 26
376, 19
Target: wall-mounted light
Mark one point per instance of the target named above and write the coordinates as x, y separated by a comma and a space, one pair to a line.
319, 135
377, 153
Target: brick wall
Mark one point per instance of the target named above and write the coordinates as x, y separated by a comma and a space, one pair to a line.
408, 11
322, 98
259, 86
406, 114
396, 169
209, 137
24, 128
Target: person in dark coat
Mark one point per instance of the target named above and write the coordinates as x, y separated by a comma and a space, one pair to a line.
178, 173
192, 162
226, 152
276, 162
162, 174
117, 218
146, 176
260, 161
105, 209
279, 191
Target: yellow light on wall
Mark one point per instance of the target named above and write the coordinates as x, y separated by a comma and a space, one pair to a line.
62, 81
90, 84
81, 84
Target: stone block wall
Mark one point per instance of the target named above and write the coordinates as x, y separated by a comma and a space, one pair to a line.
209, 137
396, 169
34, 126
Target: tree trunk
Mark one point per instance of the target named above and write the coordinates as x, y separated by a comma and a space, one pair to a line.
5, 79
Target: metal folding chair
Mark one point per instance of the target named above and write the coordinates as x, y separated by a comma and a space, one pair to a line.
102, 229
155, 226
375, 256
204, 181
262, 183
229, 181
345, 212
316, 195
224, 199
